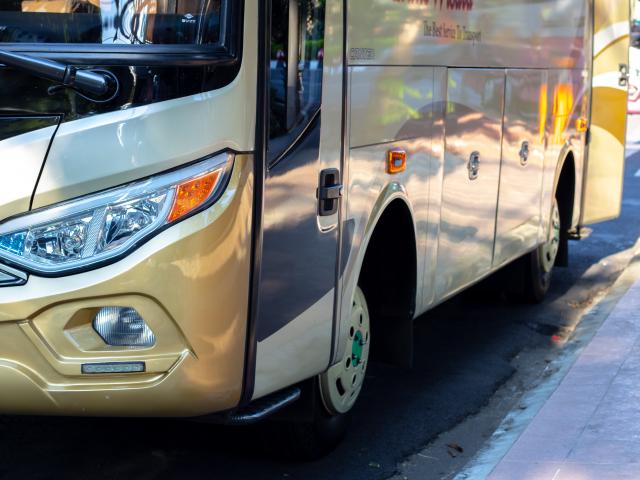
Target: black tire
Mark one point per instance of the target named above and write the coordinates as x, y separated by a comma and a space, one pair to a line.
314, 439
307, 431
531, 275
536, 281
329, 398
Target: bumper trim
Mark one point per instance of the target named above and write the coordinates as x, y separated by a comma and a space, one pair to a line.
10, 277
259, 409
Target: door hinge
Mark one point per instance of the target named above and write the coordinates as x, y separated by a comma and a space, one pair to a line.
623, 80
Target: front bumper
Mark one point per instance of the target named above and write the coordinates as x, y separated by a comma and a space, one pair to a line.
190, 284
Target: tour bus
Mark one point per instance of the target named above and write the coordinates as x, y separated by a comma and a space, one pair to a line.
224, 209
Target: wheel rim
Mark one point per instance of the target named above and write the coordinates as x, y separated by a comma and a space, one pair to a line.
342, 383
549, 251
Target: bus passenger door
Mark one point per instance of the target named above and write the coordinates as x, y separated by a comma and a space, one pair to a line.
300, 230
473, 126
605, 155
522, 166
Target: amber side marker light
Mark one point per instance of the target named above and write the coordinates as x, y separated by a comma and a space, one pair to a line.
193, 193
582, 125
396, 161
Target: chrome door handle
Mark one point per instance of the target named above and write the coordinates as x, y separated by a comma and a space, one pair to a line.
524, 153
474, 165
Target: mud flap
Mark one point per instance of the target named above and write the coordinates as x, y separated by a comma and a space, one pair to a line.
393, 342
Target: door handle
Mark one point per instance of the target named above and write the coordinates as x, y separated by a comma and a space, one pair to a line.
474, 165
524, 153
329, 192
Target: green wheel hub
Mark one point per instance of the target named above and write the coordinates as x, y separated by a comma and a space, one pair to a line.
341, 384
356, 348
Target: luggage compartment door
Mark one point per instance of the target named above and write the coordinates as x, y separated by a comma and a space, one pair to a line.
523, 151
471, 175
605, 160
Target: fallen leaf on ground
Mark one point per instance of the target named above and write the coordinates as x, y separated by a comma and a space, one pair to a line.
454, 449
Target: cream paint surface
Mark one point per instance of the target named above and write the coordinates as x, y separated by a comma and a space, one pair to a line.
198, 358
605, 177
279, 362
541, 34
608, 80
605, 161
607, 36
468, 221
519, 204
144, 140
307, 338
111, 149
22, 158
389, 107
22, 301
390, 104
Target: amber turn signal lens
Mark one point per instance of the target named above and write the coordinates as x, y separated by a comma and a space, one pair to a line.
396, 161
582, 125
190, 195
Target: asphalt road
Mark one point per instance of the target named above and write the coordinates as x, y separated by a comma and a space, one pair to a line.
465, 350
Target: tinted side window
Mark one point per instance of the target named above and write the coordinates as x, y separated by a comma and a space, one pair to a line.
111, 22
297, 56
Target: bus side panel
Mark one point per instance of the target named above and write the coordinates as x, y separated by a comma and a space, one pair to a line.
523, 150
436, 179
390, 108
605, 162
488, 33
567, 103
471, 176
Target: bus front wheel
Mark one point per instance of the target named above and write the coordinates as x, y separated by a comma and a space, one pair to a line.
338, 389
340, 385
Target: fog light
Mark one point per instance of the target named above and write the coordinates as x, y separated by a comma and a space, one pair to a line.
123, 327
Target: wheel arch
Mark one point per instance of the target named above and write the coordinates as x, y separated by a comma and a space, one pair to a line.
388, 275
564, 190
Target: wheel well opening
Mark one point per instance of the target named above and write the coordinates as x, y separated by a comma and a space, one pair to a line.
565, 194
388, 280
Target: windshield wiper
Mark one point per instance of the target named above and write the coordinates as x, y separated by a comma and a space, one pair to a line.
96, 83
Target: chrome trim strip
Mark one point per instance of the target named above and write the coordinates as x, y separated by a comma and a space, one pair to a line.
11, 277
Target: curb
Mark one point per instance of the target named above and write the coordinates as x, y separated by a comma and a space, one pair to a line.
515, 423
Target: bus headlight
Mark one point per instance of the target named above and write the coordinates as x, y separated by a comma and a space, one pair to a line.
94, 229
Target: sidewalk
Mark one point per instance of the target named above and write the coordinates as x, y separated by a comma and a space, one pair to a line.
589, 429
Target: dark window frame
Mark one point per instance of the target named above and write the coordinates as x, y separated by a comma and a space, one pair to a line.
227, 50
278, 147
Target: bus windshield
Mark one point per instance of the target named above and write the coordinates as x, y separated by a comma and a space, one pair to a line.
111, 22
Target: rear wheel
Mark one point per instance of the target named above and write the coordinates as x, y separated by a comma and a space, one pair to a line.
537, 267
338, 389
